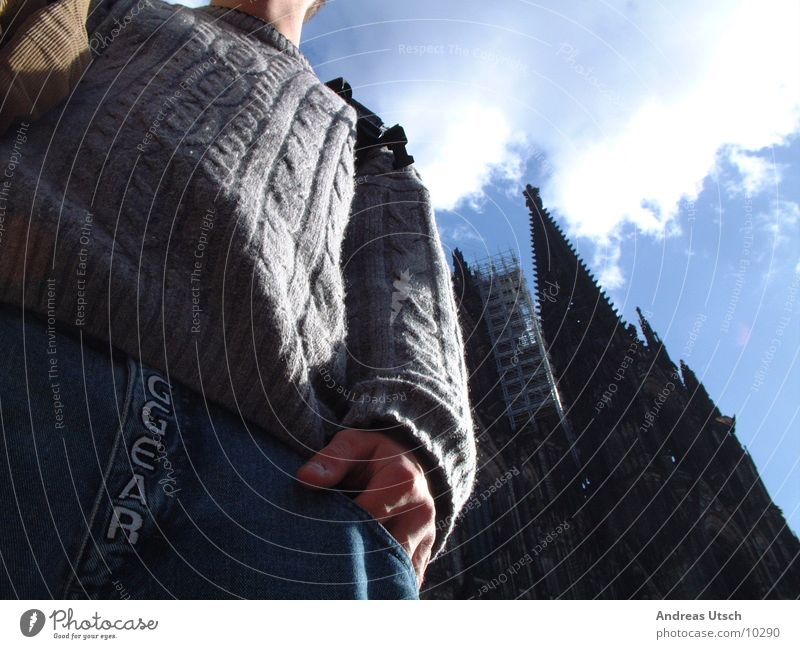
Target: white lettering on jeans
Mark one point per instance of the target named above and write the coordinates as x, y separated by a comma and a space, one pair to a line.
124, 518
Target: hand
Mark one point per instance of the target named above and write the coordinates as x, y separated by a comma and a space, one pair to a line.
391, 481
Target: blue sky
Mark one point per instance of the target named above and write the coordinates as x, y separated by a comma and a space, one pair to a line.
665, 138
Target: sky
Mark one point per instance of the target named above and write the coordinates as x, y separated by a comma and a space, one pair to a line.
665, 138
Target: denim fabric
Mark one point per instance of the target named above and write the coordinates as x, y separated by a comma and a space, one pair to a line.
116, 483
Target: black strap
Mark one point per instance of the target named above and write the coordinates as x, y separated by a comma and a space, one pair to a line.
371, 131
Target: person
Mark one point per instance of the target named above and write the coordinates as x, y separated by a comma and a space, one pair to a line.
231, 369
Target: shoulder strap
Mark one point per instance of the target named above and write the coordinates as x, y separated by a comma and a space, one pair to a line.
371, 131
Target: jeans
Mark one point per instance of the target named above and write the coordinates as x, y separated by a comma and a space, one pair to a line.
116, 483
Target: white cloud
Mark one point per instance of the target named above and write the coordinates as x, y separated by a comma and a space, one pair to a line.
606, 260
782, 221
746, 98
459, 234
755, 172
463, 150
779, 228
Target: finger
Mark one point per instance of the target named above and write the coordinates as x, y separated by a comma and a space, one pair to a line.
345, 454
391, 487
397, 495
422, 557
417, 529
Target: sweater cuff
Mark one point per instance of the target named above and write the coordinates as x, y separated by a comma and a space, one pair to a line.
383, 406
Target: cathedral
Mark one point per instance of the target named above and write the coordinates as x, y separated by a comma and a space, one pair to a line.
605, 469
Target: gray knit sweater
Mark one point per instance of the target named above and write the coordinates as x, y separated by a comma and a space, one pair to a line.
193, 203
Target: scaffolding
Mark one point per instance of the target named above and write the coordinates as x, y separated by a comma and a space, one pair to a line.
526, 379
516, 339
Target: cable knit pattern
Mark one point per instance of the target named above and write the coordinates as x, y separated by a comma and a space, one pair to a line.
190, 203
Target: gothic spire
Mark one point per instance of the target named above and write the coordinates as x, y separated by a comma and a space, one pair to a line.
565, 287
656, 347
650, 336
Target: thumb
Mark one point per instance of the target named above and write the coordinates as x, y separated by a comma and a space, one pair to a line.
346, 452
315, 474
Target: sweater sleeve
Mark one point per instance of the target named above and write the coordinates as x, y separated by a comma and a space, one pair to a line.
405, 354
